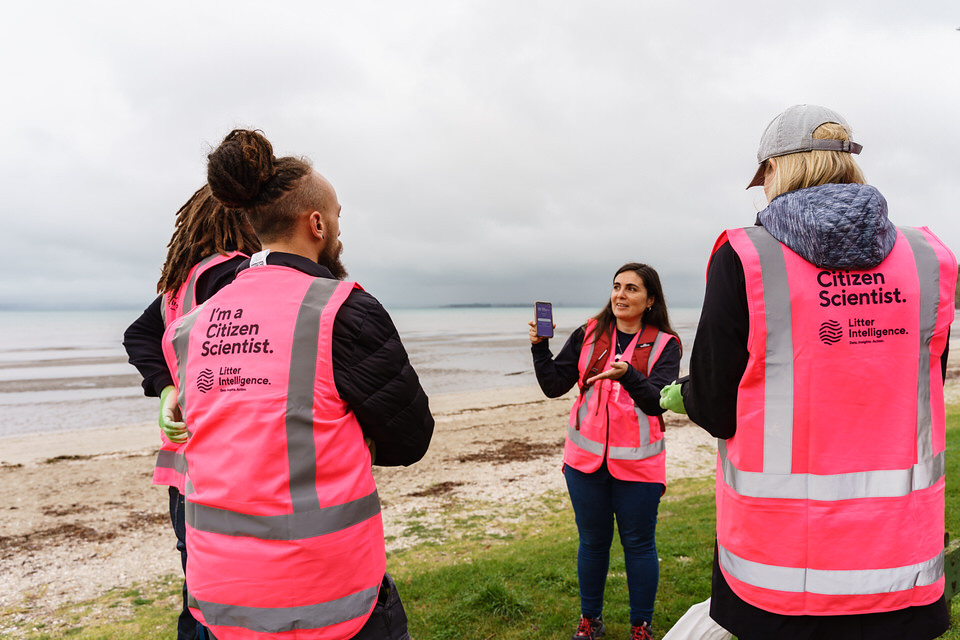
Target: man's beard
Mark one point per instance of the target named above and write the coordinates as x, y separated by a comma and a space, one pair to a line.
330, 258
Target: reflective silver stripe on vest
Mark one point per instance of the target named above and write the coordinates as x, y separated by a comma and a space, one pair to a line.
638, 453
181, 348
928, 270
831, 582
191, 284
577, 438
778, 388
886, 483
582, 409
281, 619
171, 460
301, 450
890, 483
298, 525
165, 310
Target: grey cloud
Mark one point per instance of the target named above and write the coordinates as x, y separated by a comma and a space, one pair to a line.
483, 151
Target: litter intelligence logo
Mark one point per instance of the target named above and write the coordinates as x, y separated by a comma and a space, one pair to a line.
830, 332
205, 380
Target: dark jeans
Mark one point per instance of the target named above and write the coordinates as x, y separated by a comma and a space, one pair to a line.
388, 620
187, 626
597, 498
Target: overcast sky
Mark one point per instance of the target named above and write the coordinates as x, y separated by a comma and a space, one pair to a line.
483, 151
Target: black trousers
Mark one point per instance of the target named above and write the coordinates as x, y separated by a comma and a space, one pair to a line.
388, 620
186, 624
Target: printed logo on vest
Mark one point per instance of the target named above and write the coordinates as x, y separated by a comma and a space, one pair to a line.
232, 379
867, 331
227, 335
848, 289
205, 381
830, 332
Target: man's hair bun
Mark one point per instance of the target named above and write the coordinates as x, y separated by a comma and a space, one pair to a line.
239, 167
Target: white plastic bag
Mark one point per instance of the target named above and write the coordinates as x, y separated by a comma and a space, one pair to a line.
696, 624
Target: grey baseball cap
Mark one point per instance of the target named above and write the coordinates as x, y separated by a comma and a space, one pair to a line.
792, 131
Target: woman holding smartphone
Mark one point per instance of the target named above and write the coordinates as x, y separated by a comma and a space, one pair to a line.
614, 456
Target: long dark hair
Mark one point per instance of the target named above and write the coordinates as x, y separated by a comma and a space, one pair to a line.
204, 227
657, 316
244, 173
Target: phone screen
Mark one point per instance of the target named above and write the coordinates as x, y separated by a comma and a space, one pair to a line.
544, 313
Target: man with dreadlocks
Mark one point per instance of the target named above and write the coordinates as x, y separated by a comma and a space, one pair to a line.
209, 242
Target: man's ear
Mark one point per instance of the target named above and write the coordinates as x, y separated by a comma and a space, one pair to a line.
316, 224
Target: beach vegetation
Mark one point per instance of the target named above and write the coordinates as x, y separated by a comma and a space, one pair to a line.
516, 582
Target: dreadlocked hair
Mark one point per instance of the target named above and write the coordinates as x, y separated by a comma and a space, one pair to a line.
243, 172
204, 227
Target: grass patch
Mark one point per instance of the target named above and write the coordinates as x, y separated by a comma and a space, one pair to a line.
528, 588
141, 612
517, 582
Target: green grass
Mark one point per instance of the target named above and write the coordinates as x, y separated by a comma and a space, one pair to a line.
953, 503
526, 587
517, 584
140, 612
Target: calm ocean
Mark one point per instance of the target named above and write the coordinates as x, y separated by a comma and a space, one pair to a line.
67, 369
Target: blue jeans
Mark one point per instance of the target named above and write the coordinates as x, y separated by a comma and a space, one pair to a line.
597, 497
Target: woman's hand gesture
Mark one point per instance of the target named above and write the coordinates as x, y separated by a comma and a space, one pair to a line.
615, 372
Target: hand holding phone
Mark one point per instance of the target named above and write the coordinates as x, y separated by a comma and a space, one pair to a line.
544, 319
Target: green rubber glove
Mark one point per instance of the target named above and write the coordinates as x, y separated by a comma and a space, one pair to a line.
672, 399
170, 424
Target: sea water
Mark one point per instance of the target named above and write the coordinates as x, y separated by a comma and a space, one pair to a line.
64, 370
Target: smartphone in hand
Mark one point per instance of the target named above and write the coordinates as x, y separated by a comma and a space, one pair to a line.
544, 316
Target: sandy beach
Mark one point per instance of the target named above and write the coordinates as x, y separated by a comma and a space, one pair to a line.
81, 515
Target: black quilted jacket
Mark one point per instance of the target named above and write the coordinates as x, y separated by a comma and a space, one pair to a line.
370, 367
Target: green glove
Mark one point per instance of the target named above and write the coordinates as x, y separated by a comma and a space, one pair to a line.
170, 424
671, 398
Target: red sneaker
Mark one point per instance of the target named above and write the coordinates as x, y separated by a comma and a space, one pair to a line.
589, 628
641, 631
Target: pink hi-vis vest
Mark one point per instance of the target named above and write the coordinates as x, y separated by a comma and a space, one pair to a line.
605, 422
169, 468
830, 497
284, 530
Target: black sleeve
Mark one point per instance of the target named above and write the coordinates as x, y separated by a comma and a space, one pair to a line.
142, 341
557, 375
374, 377
943, 358
719, 355
645, 390
217, 277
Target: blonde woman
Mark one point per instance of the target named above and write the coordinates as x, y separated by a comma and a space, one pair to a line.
819, 363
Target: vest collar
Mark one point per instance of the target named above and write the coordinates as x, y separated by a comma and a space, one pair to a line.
293, 261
